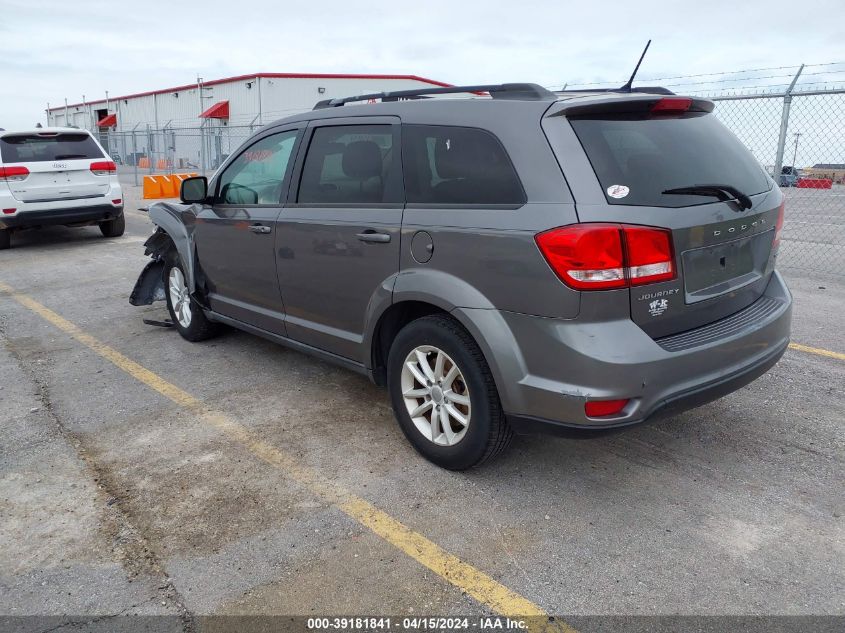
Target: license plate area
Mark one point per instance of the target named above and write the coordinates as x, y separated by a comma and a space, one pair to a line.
62, 177
714, 270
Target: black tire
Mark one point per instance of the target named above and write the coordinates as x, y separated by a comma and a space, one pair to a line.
199, 327
5, 239
113, 228
488, 432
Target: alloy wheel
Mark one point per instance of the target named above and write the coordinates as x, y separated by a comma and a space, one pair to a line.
179, 297
436, 395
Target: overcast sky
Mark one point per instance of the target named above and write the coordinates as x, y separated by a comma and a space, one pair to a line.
52, 50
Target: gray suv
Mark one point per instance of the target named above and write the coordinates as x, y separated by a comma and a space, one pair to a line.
519, 261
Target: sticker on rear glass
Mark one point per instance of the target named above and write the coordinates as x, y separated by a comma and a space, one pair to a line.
618, 191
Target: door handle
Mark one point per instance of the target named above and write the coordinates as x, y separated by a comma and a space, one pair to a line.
373, 236
259, 228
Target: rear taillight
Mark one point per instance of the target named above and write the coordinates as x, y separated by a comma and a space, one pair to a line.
606, 256
103, 167
779, 225
669, 105
649, 255
602, 408
13, 174
585, 256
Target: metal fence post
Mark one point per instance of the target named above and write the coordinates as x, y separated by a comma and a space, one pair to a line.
150, 154
135, 156
784, 126
813, 235
202, 147
123, 146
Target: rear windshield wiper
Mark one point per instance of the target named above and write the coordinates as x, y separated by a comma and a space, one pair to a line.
722, 192
67, 156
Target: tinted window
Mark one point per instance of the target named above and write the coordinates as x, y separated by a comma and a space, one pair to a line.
25, 148
651, 155
457, 165
347, 164
257, 175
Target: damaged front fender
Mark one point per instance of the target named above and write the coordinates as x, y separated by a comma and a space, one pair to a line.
173, 236
150, 285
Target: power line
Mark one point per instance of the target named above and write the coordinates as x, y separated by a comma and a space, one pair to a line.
775, 89
719, 81
713, 74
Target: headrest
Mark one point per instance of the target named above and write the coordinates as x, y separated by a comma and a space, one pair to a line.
362, 159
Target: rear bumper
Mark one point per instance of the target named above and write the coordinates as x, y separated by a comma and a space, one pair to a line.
547, 369
673, 405
50, 217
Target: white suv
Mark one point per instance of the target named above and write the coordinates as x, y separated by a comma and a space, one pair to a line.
52, 176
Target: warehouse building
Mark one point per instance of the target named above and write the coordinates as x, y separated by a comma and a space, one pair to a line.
197, 125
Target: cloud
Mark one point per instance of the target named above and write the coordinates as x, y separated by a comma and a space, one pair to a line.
52, 50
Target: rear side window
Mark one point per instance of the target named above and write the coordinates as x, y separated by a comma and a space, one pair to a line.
457, 165
636, 159
27, 148
348, 164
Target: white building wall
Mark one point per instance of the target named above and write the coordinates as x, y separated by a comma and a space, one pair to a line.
252, 101
165, 126
138, 111
284, 97
79, 116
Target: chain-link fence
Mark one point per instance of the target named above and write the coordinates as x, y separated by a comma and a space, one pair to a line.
799, 138
170, 150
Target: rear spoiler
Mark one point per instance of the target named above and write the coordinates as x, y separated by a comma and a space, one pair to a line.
612, 103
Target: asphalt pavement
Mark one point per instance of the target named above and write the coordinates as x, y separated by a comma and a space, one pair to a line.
209, 485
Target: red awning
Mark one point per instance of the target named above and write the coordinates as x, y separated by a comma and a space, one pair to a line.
108, 121
219, 110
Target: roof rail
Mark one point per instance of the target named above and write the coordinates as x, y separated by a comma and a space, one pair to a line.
522, 92
654, 90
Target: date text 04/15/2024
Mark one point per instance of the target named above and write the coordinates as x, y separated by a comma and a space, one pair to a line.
414, 623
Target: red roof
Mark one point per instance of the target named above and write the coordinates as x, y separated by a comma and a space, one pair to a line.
225, 80
108, 121
219, 110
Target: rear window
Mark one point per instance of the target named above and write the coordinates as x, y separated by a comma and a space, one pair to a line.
349, 164
636, 159
457, 165
27, 148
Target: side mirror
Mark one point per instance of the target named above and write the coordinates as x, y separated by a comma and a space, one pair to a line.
194, 190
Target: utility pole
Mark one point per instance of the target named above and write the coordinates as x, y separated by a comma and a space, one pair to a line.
67, 123
260, 112
784, 124
797, 135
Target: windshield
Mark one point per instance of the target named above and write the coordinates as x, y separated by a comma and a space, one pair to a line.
26, 148
637, 159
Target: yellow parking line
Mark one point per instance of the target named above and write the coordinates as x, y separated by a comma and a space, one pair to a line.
462, 575
816, 350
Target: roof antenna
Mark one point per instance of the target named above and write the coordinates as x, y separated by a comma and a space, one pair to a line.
627, 86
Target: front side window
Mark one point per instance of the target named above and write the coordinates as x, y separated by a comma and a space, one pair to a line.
348, 164
48, 146
457, 165
257, 175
